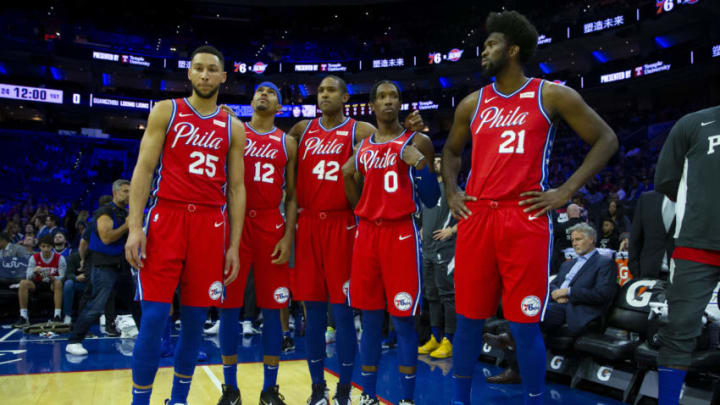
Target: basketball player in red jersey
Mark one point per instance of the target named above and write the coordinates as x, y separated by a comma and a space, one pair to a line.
196, 152
325, 231
265, 244
505, 229
380, 182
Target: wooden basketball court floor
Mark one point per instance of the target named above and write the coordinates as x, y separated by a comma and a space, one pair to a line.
36, 370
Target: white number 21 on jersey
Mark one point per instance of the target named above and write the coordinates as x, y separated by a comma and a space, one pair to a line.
508, 146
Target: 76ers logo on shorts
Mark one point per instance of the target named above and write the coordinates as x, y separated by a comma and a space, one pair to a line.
403, 301
281, 295
215, 291
530, 305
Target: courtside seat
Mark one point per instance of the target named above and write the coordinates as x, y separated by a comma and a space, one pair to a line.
607, 356
702, 361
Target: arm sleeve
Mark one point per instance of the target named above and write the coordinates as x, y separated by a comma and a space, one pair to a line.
672, 158
62, 268
30, 268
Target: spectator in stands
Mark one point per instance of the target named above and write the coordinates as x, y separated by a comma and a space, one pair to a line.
45, 271
615, 212
609, 238
29, 244
651, 238
581, 293
75, 282
29, 231
61, 247
50, 227
107, 243
9, 249
13, 230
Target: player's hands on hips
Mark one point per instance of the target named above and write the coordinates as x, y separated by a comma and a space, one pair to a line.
135, 248
443, 234
456, 203
414, 122
281, 253
544, 201
232, 265
228, 110
411, 155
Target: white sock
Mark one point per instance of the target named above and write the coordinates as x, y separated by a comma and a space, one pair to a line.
23, 313
58, 312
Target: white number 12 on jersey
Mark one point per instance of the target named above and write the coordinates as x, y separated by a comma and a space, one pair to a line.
508, 146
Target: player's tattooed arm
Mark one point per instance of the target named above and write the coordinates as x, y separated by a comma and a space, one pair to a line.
564, 103
452, 156
413, 122
281, 253
150, 149
352, 180
236, 198
298, 129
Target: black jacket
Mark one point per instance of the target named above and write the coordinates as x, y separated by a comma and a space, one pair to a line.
592, 290
649, 241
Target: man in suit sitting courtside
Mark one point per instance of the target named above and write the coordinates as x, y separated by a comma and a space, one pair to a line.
582, 292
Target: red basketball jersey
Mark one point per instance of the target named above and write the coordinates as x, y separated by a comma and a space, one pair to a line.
388, 190
265, 162
321, 154
511, 140
192, 166
48, 270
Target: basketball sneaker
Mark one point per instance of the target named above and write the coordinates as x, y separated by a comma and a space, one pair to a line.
230, 396
76, 349
342, 395
111, 330
444, 351
272, 397
366, 400
320, 395
248, 329
21, 323
288, 345
430, 346
212, 329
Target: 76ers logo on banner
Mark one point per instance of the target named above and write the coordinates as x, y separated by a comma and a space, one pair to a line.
215, 291
530, 305
403, 301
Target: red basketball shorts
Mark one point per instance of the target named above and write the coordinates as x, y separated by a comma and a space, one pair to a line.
502, 253
262, 230
323, 256
185, 247
386, 266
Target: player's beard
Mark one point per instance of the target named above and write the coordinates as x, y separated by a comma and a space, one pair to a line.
493, 68
209, 94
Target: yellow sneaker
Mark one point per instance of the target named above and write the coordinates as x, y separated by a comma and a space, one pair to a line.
428, 347
444, 351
